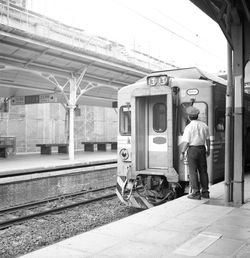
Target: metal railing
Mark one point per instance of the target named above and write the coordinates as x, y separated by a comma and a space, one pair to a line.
45, 29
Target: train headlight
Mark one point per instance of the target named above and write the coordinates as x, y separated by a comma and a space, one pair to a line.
159, 79
163, 80
152, 81
124, 154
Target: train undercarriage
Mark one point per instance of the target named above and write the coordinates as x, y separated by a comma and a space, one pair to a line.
148, 190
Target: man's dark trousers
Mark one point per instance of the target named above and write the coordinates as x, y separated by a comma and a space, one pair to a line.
197, 162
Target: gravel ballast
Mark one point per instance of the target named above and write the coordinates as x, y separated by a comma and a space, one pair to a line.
43, 231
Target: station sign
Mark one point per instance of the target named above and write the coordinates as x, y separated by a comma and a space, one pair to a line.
33, 99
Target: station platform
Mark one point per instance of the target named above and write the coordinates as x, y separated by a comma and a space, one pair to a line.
180, 228
25, 163
31, 178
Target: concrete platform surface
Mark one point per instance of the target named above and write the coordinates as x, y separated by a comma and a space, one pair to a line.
180, 228
35, 162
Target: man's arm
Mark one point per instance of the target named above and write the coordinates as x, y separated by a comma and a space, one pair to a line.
184, 148
208, 146
208, 143
185, 139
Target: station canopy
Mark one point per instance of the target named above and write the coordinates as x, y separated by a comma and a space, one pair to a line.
224, 12
42, 56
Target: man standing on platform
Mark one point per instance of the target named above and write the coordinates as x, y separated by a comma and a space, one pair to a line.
197, 143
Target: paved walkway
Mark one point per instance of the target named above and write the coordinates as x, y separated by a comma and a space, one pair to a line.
180, 228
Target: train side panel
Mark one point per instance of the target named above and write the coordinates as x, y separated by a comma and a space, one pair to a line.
199, 94
218, 131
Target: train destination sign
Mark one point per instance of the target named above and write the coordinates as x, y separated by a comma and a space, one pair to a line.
34, 99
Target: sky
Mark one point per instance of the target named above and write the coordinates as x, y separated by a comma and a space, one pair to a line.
175, 31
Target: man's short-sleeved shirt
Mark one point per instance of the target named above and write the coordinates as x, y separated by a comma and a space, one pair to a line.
196, 133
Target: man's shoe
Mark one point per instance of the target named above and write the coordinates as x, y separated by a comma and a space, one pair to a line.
194, 196
205, 195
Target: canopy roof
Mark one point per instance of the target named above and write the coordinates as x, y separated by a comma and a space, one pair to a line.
39, 55
227, 12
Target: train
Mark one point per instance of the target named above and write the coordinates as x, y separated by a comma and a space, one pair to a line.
151, 122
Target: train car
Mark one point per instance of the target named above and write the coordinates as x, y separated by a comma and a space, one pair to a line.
152, 119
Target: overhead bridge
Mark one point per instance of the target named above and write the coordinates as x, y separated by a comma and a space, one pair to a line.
39, 55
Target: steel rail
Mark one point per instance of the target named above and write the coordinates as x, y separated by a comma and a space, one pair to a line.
8, 223
34, 204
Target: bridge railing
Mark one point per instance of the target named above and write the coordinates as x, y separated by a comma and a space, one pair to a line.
48, 30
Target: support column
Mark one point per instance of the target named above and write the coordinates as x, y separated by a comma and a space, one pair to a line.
71, 107
238, 188
229, 131
70, 99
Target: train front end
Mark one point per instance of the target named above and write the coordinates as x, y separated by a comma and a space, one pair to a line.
146, 174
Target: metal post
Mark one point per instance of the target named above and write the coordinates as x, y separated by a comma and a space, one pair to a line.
228, 132
71, 133
71, 106
238, 189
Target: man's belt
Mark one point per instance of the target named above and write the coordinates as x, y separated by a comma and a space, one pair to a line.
197, 146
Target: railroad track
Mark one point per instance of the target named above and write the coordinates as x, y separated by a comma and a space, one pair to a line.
18, 214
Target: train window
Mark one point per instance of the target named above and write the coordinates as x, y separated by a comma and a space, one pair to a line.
159, 117
125, 120
184, 118
219, 120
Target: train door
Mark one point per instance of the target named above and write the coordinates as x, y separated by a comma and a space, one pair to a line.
157, 132
203, 116
152, 129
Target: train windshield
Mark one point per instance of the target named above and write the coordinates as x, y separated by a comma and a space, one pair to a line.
202, 116
125, 120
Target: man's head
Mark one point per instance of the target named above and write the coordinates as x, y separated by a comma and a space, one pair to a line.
192, 112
